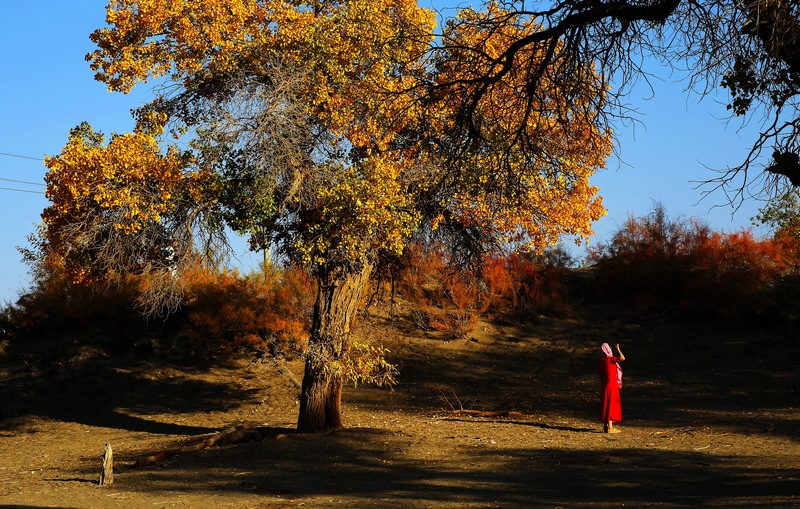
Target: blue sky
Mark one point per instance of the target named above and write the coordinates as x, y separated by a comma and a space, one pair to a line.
47, 88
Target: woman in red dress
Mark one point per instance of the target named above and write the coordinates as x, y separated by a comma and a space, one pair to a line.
610, 384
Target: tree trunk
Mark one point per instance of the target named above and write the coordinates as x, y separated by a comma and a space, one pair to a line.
338, 296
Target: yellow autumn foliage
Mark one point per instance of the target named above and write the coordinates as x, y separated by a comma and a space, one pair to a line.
360, 86
354, 88
83, 177
527, 191
123, 185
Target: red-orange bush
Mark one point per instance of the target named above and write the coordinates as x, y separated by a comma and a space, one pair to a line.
648, 258
442, 298
683, 266
268, 312
450, 300
59, 306
525, 283
734, 274
66, 315
223, 312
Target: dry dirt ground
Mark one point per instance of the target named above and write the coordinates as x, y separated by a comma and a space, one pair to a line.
711, 420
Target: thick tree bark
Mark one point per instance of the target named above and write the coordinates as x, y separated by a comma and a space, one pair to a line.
338, 298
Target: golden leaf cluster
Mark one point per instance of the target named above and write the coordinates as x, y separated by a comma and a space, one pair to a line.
352, 53
364, 363
129, 174
544, 148
96, 190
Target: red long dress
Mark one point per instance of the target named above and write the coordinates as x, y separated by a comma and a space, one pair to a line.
610, 406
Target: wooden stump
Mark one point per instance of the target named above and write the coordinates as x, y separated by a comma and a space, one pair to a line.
107, 474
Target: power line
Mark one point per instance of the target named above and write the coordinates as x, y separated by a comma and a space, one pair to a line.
23, 182
19, 190
20, 156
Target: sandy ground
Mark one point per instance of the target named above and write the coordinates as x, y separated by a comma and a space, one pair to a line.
503, 418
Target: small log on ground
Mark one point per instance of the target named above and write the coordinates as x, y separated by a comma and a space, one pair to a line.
107, 473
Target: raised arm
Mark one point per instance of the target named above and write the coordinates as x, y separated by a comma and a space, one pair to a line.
619, 353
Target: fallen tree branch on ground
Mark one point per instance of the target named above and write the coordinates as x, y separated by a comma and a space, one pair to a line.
229, 436
477, 413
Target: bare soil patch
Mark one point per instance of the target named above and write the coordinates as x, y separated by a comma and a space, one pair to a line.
503, 418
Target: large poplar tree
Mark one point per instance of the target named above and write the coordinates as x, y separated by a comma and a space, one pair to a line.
315, 127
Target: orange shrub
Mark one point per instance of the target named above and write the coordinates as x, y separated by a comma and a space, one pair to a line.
683, 266
268, 312
441, 298
223, 312
450, 300
648, 255
71, 314
732, 275
532, 284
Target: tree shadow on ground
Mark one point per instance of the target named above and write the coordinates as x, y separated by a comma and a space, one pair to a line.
540, 425
371, 466
677, 374
114, 395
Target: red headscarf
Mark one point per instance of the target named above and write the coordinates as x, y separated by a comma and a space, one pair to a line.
609, 353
